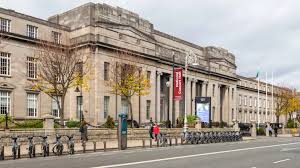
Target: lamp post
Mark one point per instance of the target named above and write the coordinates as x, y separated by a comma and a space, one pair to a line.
190, 59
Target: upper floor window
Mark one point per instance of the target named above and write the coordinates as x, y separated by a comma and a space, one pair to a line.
250, 101
56, 37
106, 71
148, 75
240, 99
255, 102
4, 64
4, 25
245, 101
31, 68
32, 31
32, 100
4, 102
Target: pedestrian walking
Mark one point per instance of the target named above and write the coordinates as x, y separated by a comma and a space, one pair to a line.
151, 124
276, 130
84, 131
270, 131
156, 131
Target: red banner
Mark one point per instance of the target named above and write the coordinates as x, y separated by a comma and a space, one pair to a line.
178, 82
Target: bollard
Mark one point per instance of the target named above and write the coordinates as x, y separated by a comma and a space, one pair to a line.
104, 146
33, 151
157, 143
48, 153
95, 147
150, 143
2, 153
181, 141
170, 141
176, 141
19, 151
144, 143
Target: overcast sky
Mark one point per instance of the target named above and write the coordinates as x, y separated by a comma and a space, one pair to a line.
261, 34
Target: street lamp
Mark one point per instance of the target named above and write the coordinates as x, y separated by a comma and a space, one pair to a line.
190, 59
81, 102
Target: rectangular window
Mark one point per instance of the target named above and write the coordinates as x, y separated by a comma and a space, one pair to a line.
245, 100
240, 100
106, 71
4, 64
4, 25
255, 102
79, 107
31, 68
55, 107
250, 101
32, 100
56, 37
148, 75
106, 106
4, 102
32, 31
148, 109
124, 105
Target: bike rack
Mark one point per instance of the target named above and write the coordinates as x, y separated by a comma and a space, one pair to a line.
104, 146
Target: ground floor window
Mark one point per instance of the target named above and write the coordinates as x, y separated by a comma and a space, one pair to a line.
79, 107
106, 106
4, 102
124, 103
32, 100
148, 108
55, 107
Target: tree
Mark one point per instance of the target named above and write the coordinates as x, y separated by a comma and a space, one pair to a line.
60, 68
128, 80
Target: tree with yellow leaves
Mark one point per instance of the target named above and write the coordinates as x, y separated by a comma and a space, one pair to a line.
128, 80
60, 68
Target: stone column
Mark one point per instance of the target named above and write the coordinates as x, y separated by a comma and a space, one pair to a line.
225, 113
188, 96
193, 95
219, 107
157, 109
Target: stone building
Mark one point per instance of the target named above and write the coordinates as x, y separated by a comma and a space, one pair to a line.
105, 30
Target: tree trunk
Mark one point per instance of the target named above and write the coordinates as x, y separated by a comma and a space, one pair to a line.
61, 111
130, 111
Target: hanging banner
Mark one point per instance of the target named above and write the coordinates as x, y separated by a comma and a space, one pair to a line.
178, 82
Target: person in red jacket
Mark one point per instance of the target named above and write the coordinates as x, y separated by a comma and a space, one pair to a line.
156, 131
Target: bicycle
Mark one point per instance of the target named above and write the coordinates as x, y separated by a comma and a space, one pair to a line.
15, 146
71, 144
31, 147
163, 140
45, 146
58, 147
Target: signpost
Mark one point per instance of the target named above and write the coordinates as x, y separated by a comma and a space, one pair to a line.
203, 109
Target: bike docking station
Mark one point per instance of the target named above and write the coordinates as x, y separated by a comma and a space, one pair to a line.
122, 132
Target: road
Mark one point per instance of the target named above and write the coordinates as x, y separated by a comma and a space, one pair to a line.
260, 153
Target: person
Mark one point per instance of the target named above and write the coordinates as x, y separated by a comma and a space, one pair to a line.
270, 131
151, 128
83, 130
275, 130
156, 131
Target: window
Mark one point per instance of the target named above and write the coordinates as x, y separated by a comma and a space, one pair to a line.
124, 104
56, 37
106, 106
240, 100
255, 102
250, 101
148, 75
213, 90
79, 107
106, 71
32, 31
245, 100
4, 102
31, 68
4, 25
32, 104
4, 64
148, 109
55, 107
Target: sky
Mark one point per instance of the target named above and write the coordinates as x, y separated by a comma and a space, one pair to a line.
263, 35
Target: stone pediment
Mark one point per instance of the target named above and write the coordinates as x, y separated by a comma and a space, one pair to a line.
7, 86
128, 31
220, 56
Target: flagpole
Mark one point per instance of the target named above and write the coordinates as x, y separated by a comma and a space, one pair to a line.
266, 117
258, 103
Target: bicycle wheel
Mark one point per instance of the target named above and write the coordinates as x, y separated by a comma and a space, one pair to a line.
54, 149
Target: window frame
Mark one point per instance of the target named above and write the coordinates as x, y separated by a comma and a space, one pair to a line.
31, 61
57, 108
106, 71
32, 31
8, 102
106, 106
7, 26
34, 100
56, 37
148, 109
7, 57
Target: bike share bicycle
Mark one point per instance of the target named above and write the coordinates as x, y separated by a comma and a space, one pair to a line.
71, 144
15, 147
45, 146
31, 147
58, 147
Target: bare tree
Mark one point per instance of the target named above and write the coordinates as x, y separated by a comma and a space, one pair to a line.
60, 68
128, 80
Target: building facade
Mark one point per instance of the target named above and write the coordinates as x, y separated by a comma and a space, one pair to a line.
105, 30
